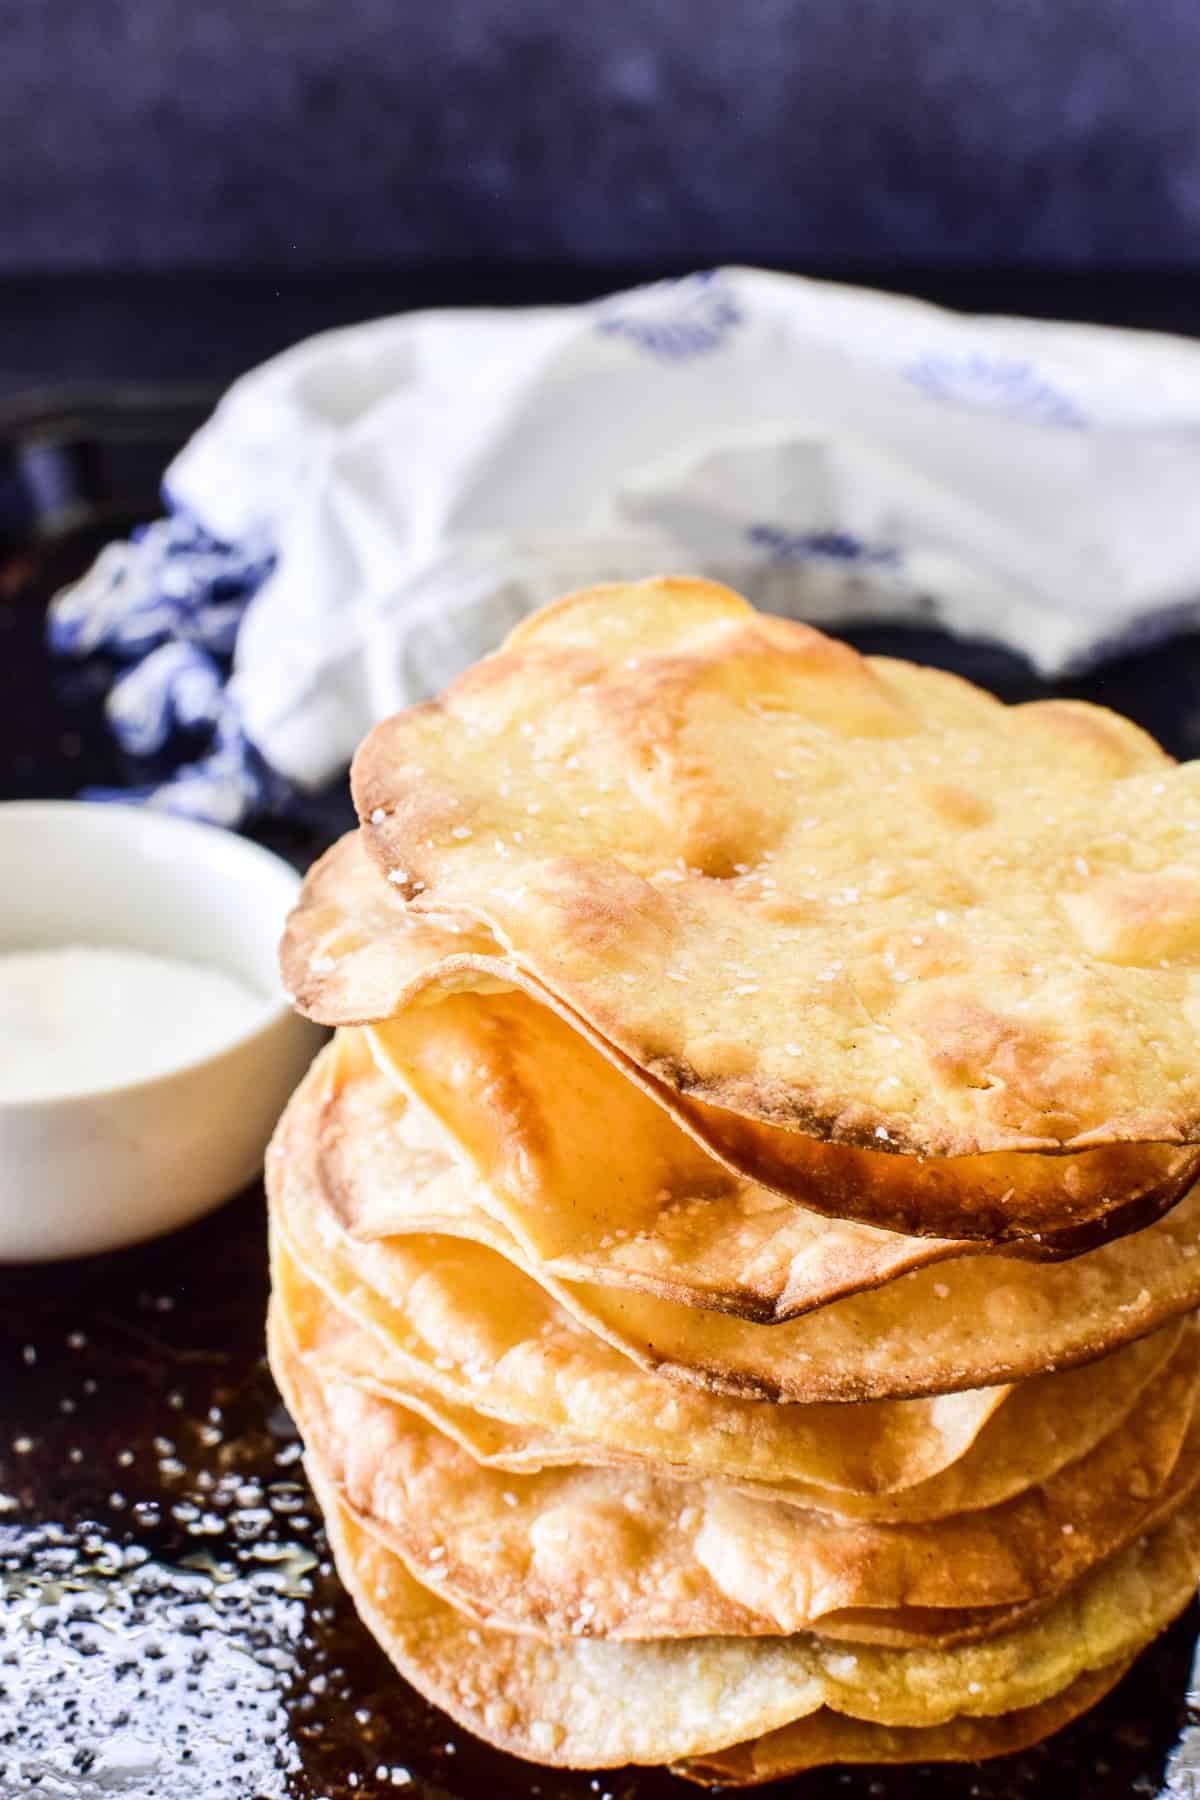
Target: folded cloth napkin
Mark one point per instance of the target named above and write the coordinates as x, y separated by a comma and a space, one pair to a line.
371, 511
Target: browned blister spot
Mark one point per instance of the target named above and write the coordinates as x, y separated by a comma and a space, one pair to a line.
955, 804
1139, 919
1026, 1065
598, 904
484, 693
1103, 742
782, 665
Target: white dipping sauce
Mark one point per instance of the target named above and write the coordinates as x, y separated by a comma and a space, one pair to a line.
78, 1018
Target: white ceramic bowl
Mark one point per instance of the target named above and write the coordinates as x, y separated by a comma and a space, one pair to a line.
95, 1170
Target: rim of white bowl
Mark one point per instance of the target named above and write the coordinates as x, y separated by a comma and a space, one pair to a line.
198, 833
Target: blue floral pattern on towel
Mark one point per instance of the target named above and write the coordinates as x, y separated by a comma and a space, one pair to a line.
675, 320
169, 603
172, 581
1005, 384
828, 546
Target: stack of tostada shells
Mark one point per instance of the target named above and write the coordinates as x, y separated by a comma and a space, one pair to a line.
735, 1265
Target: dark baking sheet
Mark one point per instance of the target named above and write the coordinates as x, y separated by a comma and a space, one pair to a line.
170, 1627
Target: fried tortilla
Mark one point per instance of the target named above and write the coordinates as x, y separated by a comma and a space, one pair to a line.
583, 1702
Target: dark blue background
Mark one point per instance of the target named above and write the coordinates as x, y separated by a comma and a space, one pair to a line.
186, 185
167, 134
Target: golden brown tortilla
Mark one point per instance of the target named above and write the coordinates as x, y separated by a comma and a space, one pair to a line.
627, 1553
848, 896
354, 953
826, 1738
583, 1702
971, 1323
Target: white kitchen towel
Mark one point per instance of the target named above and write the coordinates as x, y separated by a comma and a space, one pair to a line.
366, 514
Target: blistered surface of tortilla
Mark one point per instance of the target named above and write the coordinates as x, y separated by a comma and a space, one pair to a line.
1043, 1425
625, 1553
353, 952
469, 1325
593, 1702
827, 1738
599, 1184
971, 1323
848, 896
